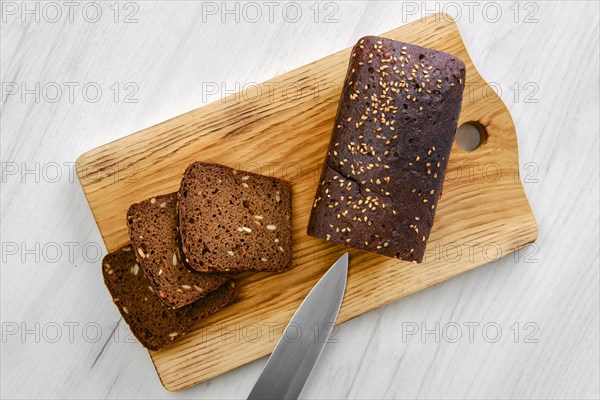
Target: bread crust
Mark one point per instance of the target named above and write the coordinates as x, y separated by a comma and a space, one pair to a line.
152, 322
389, 149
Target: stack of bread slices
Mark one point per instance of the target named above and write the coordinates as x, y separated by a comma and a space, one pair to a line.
187, 247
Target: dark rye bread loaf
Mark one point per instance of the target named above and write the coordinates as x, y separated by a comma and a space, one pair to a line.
154, 233
233, 220
389, 149
153, 323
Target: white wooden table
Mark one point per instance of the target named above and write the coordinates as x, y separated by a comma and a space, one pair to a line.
77, 76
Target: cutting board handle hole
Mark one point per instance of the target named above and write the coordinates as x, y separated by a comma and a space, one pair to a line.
470, 136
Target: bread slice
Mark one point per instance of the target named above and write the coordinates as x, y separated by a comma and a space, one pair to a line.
154, 233
153, 323
233, 220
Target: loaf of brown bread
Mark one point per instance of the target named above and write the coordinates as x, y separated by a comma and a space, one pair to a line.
153, 323
154, 234
389, 149
233, 220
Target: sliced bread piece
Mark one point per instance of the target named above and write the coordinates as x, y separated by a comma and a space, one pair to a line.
232, 220
153, 323
154, 233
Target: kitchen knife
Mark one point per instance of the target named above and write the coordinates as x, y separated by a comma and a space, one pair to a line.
303, 339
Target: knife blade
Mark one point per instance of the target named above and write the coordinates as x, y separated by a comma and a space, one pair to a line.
304, 338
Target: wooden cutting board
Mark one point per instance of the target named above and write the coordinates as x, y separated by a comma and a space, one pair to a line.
282, 128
